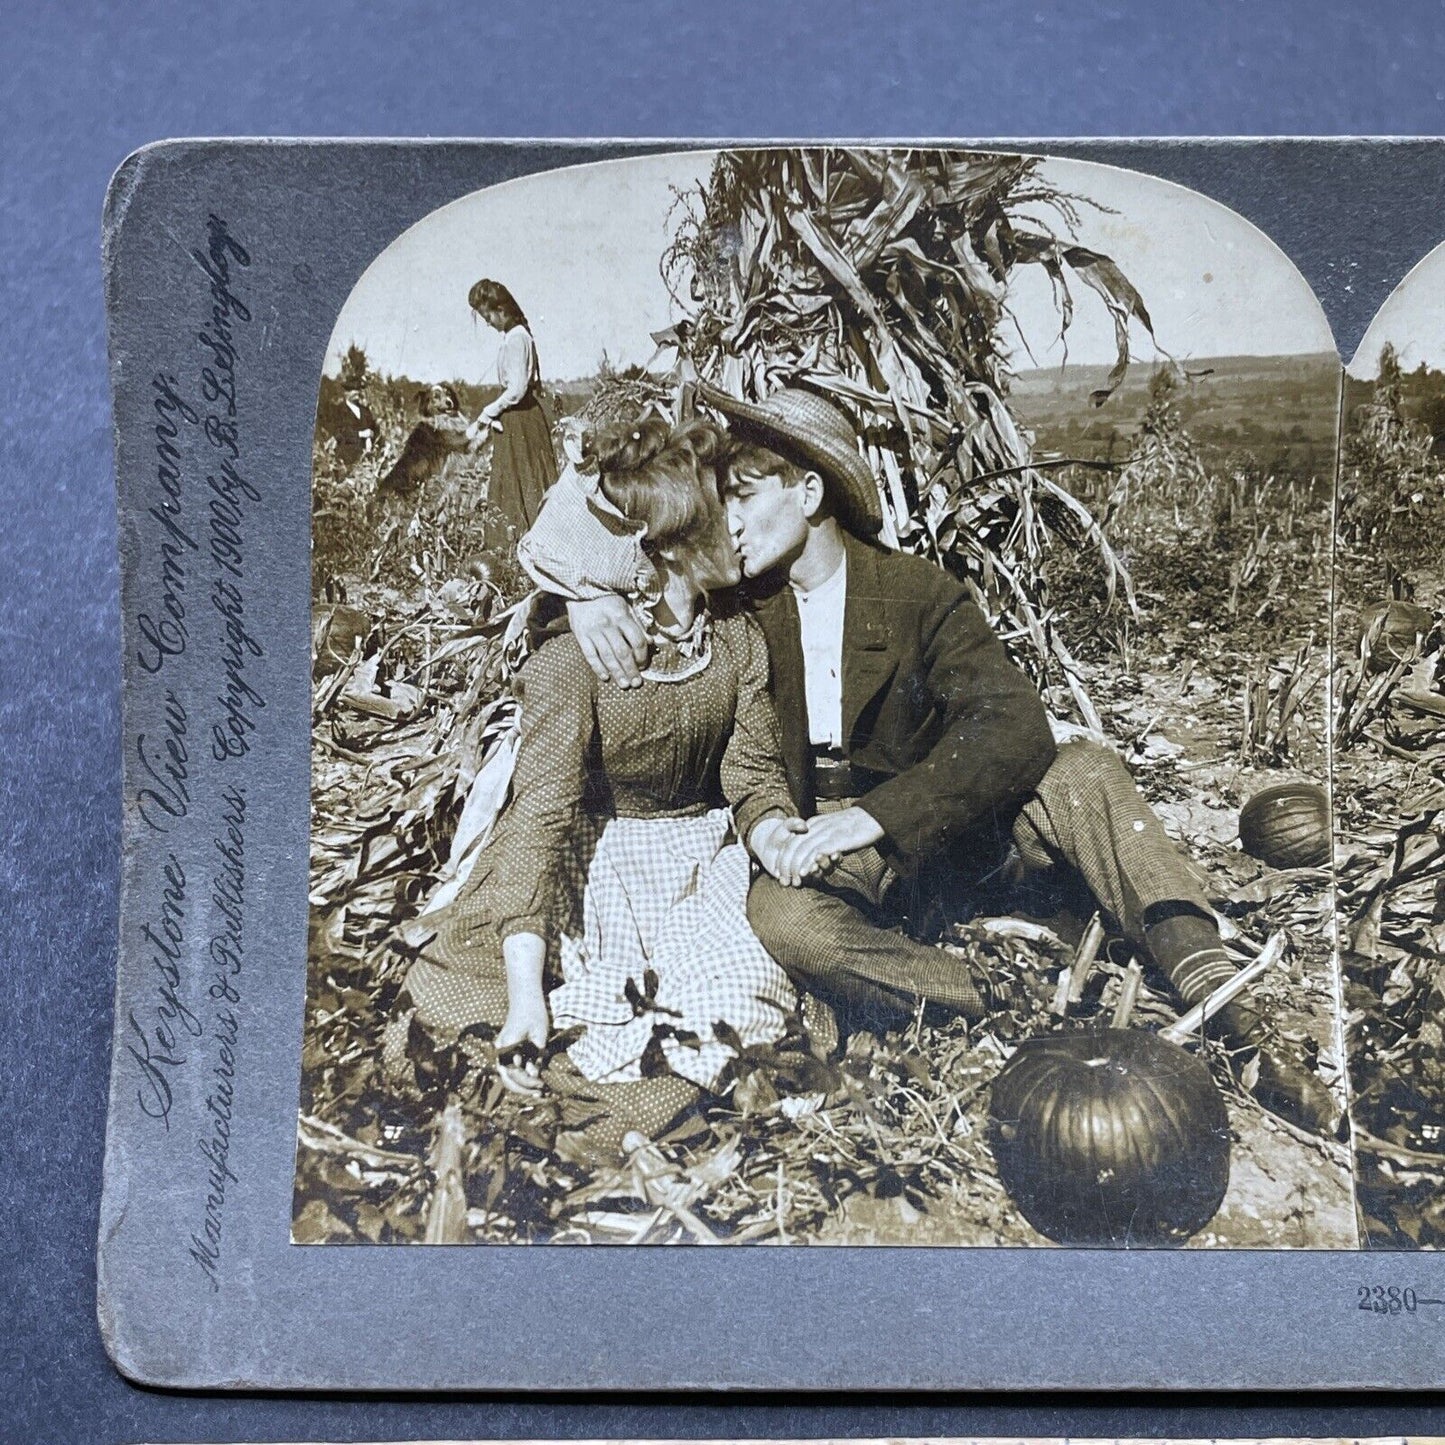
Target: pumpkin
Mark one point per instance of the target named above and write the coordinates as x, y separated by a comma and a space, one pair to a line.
1110, 1137
1287, 826
1402, 632
335, 631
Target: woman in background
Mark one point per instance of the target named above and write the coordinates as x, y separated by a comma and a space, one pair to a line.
523, 462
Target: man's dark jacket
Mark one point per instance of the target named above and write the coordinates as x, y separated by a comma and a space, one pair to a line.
930, 701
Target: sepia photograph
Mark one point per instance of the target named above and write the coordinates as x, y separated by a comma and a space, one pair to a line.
1389, 736
822, 714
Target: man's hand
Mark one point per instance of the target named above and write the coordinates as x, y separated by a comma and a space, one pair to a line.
611, 639
768, 839
822, 844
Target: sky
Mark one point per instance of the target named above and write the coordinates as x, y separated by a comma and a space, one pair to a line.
1413, 317
579, 248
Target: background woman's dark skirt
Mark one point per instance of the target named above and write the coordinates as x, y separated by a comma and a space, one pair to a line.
523, 462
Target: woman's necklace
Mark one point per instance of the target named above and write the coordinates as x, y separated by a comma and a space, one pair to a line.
677, 652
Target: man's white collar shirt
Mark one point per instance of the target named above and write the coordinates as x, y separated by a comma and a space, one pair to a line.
820, 615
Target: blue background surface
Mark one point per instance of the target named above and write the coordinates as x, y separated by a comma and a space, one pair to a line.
83, 85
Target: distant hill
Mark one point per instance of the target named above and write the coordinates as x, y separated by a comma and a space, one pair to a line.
1274, 412
1278, 413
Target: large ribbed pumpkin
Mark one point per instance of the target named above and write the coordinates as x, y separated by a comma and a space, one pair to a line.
335, 631
1403, 628
1287, 826
1115, 1137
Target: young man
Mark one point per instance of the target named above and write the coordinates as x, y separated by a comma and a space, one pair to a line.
920, 757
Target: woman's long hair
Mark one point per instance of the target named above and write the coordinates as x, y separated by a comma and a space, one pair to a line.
664, 477
491, 297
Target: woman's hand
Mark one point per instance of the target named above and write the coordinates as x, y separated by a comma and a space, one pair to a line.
484, 424
521, 1041
822, 844
527, 1021
768, 844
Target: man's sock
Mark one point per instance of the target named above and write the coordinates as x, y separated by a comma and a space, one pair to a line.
1186, 945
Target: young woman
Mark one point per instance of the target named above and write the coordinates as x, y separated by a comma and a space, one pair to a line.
523, 462
611, 898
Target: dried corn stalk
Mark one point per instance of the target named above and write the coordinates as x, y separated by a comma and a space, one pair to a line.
1273, 705
1164, 462
880, 278
1393, 487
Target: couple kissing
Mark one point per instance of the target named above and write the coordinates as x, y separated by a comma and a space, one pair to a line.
763, 739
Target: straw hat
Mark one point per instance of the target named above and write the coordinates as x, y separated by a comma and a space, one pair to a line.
804, 427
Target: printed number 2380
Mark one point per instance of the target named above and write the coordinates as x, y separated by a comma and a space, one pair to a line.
1387, 1300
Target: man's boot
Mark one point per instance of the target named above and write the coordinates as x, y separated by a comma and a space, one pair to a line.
1186, 945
